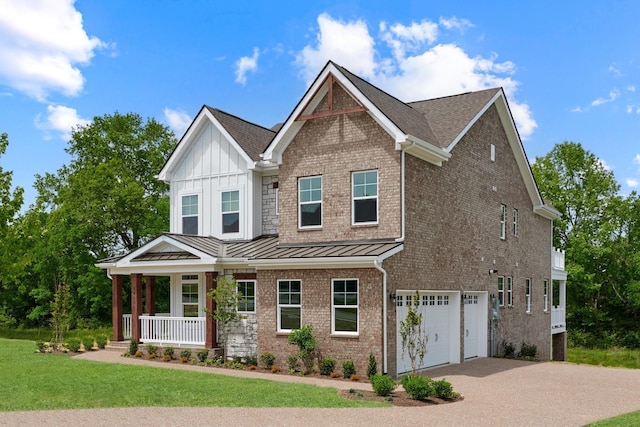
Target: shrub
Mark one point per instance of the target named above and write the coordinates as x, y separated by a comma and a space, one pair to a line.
133, 346
292, 362
528, 351
251, 361
418, 387
275, 369
87, 342
372, 367
443, 389
348, 368
168, 351
382, 385
306, 343
185, 354
202, 355
40, 345
354, 377
327, 365
267, 360
334, 375
508, 350
152, 350
101, 341
73, 344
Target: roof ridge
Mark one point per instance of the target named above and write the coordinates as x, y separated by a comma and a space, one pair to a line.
454, 95
212, 109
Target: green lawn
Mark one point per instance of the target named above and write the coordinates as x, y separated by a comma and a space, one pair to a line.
32, 381
631, 419
614, 357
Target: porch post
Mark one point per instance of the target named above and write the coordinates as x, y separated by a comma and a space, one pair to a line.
136, 305
211, 333
116, 307
150, 295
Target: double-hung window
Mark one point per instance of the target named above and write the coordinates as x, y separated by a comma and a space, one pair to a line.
503, 221
190, 214
545, 291
509, 291
230, 211
345, 306
365, 197
515, 222
289, 304
189, 295
527, 295
501, 291
310, 201
246, 296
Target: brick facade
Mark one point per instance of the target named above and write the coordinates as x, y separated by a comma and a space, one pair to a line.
269, 208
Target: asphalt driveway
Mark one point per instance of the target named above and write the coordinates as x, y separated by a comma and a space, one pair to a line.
497, 392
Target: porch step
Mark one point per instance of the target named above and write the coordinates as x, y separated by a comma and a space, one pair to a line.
120, 346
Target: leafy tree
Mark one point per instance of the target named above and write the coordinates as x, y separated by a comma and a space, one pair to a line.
414, 341
225, 296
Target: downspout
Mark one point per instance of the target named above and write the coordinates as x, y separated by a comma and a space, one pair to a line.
378, 265
402, 185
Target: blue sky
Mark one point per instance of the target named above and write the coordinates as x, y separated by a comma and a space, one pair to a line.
571, 69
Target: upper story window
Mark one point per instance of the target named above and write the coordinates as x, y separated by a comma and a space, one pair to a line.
503, 221
190, 214
515, 222
365, 197
527, 295
247, 296
345, 306
230, 211
501, 291
310, 201
545, 293
509, 291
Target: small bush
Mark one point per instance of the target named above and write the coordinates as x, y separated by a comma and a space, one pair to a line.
185, 354
138, 354
168, 351
327, 365
267, 360
152, 350
418, 387
133, 346
251, 361
202, 355
354, 377
528, 351
292, 362
101, 341
348, 368
73, 344
87, 342
372, 367
334, 375
275, 369
382, 384
443, 389
508, 350
41, 347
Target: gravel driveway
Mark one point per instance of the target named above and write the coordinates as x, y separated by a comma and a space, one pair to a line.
497, 392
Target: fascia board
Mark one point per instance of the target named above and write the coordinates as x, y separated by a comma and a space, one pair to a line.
127, 260
426, 151
474, 120
546, 211
313, 263
169, 267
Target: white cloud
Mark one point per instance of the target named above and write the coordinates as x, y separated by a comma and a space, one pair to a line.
612, 97
613, 68
631, 88
636, 160
245, 65
177, 120
632, 182
453, 22
60, 119
414, 71
42, 43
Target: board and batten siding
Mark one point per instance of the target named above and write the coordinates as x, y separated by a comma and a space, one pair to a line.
212, 164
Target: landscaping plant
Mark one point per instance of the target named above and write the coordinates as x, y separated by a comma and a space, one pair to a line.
327, 365
225, 297
267, 359
306, 343
348, 368
382, 385
418, 387
372, 367
414, 341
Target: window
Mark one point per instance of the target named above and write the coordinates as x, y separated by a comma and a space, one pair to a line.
190, 295
527, 296
509, 291
230, 211
289, 304
365, 197
310, 201
190, 214
277, 201
503, 221
247, 296
493, 153
545, 292
345, 306
501, 291
515, 222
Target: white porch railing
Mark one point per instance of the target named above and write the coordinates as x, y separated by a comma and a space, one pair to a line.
558, 321
126, 324
173, 330
557, 259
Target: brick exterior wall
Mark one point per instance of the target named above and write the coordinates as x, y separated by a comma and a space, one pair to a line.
334, 147
452, 235
316, 310
269, 217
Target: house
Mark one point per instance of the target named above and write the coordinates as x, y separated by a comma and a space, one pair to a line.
338, 216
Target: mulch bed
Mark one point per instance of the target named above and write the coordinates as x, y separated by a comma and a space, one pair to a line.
397, 398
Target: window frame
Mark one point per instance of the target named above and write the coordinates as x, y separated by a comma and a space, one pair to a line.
231, 212
503, 221
501, 291
335, 306
190, 280
245, 298
509, 291
197, 215
527, 295
280, 305
515, 222
355, 198
310, 202
545, 293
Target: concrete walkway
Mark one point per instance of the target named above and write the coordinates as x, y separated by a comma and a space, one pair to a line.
497, 392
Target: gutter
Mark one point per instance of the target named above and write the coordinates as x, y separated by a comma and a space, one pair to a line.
378, 265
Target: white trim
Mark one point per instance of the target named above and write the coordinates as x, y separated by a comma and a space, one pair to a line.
255, 295
312, 202
242, 211
509, 301
503, 221
333, 308
354, 198
527, 294
278, 305
501, 292
186, 193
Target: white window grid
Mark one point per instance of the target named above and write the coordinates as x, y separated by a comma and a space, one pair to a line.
501, 291
503, 221
509, 291
290, 295
527, 295
309, 193
364, 187
345, 305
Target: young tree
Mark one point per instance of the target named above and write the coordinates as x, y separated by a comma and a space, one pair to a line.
225, 296
414, 340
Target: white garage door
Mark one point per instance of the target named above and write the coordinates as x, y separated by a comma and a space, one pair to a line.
475, 324
439, 313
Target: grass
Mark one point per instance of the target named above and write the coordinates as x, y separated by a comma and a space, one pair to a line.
32, 381
630, 419
613, 357
45, 334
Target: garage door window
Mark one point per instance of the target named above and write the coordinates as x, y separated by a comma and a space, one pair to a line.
345, 306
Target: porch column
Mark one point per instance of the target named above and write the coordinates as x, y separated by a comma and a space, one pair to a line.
136, 305
150, 295
211, 339
116, 307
